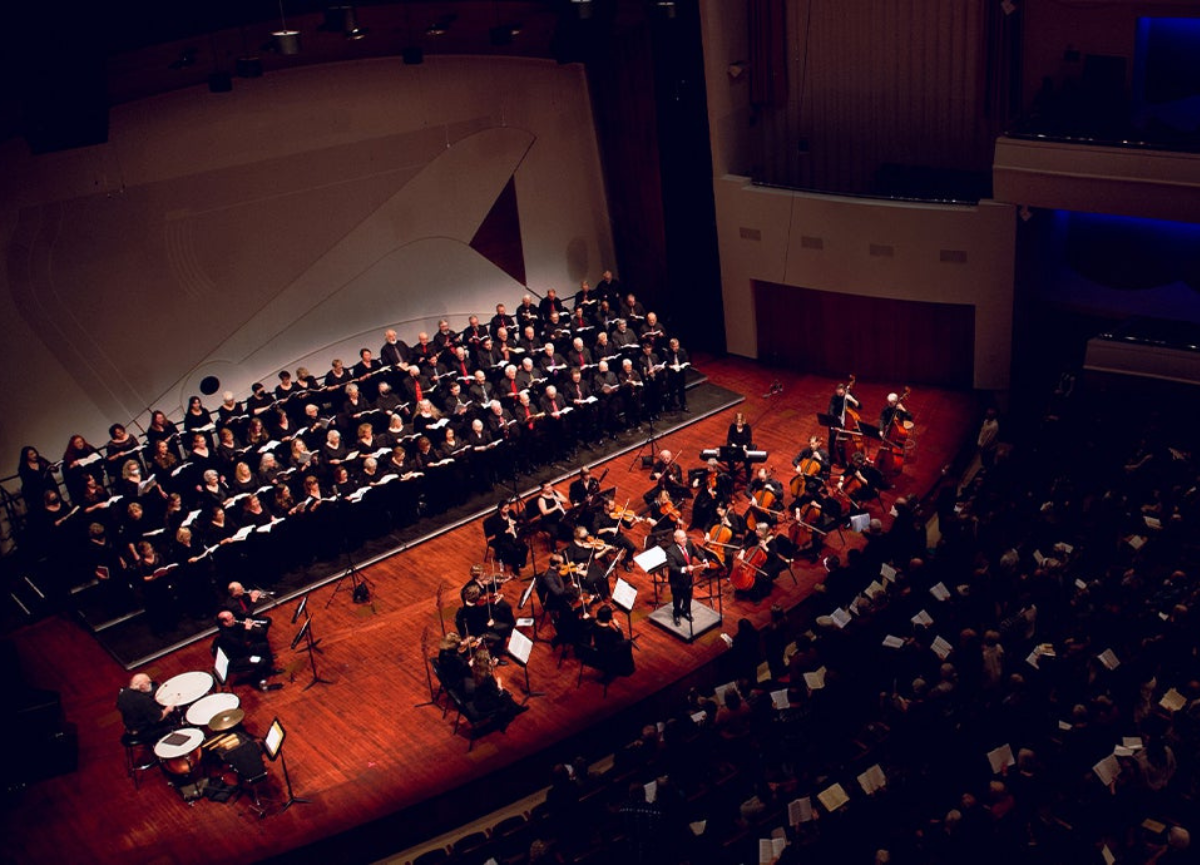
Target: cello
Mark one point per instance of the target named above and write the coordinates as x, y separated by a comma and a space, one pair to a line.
746, 567
718, 540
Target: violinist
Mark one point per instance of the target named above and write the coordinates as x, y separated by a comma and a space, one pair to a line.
668, 475
552, 585
500, 530
609, 523
583, 556
490, 699
664, 512
683, 559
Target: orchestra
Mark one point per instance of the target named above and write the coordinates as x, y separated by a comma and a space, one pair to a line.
407, 432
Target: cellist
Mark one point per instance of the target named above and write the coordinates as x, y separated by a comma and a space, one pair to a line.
813, 460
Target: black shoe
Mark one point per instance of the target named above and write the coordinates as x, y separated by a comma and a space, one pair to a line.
276, 672
502, 663
521, 709
687, 616
676, 618
686, 409
264, 685
627, 567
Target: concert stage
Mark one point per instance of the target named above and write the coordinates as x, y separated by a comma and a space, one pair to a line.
129, 639
381, 774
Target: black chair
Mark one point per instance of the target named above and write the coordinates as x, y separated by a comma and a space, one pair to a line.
478, 723
246, 761
610, 662
139, 755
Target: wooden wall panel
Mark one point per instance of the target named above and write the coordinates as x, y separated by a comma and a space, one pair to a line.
879, 338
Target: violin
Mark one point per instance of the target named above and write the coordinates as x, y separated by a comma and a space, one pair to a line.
670, 511
624, 512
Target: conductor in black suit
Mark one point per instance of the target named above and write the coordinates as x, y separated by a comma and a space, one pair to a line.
682, 559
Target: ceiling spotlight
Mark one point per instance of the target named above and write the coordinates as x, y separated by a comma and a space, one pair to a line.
285, 41
343, 19
583, 8
666, 8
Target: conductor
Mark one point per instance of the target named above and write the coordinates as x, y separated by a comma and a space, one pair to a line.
683, 558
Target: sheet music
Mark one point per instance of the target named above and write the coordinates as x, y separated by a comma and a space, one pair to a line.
624, 595
519, 646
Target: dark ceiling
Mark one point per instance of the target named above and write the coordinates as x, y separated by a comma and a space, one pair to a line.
64, 69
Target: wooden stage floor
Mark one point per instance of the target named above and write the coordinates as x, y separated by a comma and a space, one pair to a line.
357, 748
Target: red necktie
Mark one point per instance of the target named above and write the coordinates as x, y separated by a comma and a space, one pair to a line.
581, 363
418, 391
687, 560
463, 365
514, 386
553, 406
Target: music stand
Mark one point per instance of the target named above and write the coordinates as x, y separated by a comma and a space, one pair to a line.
624, 596
305, 633
525, 598
651, 560
519, 648
273, 748
221, 666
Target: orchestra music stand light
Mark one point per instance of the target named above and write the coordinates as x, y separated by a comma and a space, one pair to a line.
273, 747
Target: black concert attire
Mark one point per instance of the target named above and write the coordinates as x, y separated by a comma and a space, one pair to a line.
394, 353
142, 714
558, 426
585, 561
579, 393
680, 577
772, 513
677, 377
552, 591
669, 477
552, 517
583, 496
891, 414
504, 538
608, 529
631, 395
654, 374
819, 454
501, 321
368, 382
248, 651
742, 439
838, 403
